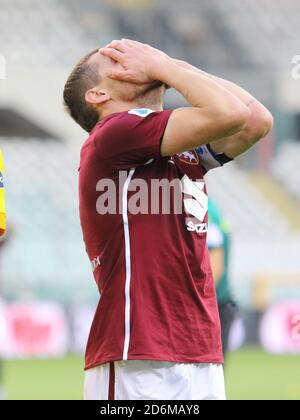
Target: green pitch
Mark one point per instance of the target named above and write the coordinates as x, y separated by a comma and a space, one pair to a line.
255, 375
251, 375
53, 379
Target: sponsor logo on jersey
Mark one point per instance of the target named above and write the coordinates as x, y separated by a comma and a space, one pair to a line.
197, 227
190, 158
1, 180
142, 112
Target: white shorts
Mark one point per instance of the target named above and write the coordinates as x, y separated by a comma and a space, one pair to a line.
151, 380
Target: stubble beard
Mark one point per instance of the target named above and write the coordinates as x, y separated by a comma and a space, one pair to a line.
152, 95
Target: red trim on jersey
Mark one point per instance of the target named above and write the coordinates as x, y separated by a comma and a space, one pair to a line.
112, 381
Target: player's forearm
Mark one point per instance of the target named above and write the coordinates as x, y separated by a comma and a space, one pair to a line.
259, 124
239, 92
260, 120
207, 95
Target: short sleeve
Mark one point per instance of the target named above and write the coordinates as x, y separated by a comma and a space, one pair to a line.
211, 160
215, 237
130, 139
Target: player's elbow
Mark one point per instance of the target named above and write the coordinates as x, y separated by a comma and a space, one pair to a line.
261, 122
265, 123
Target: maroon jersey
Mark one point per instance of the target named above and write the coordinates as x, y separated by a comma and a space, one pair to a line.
150, 259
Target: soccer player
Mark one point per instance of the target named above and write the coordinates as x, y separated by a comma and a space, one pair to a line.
218, 240
156, 332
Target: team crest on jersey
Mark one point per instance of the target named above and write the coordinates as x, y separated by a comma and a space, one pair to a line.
191, 158
1, 180
142, 112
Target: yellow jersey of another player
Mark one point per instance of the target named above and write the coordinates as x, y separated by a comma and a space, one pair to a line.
2, 198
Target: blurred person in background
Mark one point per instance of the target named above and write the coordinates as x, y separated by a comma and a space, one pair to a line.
157, 317
218, 239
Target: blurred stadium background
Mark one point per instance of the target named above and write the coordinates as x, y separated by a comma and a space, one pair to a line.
46, 282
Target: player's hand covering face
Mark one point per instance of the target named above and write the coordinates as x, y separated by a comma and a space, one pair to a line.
140, 62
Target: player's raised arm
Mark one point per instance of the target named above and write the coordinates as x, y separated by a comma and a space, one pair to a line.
215, 112
257, 127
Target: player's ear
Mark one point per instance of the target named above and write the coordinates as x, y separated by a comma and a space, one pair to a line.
97, 96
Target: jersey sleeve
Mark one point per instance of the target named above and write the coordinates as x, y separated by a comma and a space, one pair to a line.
211, 160
131, 139
215, 237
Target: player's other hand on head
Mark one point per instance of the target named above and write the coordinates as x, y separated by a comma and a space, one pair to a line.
139, 63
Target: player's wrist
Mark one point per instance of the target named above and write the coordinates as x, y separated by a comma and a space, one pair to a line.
163, 69
181, 63
185, 65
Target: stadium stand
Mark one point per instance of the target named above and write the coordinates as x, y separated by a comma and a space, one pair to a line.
50, 35
42, 207
263, 246
276, 35
57, 33
286, 167
249, 212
